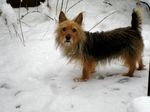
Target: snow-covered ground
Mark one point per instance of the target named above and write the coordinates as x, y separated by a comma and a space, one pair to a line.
140, 104
36, 78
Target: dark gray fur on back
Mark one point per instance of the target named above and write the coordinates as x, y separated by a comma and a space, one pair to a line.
103, 45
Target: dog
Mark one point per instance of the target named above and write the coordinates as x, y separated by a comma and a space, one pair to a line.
91, 48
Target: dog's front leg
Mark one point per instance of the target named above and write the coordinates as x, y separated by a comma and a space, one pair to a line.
88, 67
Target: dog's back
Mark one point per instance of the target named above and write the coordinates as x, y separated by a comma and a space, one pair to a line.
110, 44
126, 43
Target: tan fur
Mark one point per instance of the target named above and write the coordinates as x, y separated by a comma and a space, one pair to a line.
77, 37
73, 49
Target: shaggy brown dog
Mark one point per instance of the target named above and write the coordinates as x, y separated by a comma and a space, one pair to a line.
90, 48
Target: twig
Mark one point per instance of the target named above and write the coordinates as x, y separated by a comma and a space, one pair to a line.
62, 3
106, 2
44, 14
149, 81
17, 34
37, 12
27, 14
27, 8
49, 17
74, 5
0, 12
26, 24
8, 28
57, 7
45, 33
102, 20
66, 5
37, 5
55, 20
48, 5
24, 15
9, 31
20, 24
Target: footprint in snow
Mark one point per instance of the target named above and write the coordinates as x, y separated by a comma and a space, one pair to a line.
4, 85
18, 92
100, 77
123, 80
18, 106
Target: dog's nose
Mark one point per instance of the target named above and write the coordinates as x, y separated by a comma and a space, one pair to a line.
68, 37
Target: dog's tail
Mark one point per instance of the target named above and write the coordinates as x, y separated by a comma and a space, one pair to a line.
136, 19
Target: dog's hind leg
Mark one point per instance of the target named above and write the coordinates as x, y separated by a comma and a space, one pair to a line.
140, 64
131, 63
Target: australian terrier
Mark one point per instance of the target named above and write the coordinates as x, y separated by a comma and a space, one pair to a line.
90, 48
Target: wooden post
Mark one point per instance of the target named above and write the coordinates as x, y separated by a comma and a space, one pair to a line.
149, 81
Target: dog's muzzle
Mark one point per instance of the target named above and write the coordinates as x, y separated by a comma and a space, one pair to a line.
68, 38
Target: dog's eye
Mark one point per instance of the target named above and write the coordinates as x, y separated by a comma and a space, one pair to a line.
74, 30
64, 29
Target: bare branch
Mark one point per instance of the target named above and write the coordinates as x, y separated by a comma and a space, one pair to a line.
74, 5
24, 15
9, 31
45, 33
26, 24
8, 28
17, 34
66, 5
37, 12
102, 20
48, 5
62, 3
57, 6
50, 17
20, 24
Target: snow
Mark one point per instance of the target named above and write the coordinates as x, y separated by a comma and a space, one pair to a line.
8, 13
45, 9
140, 104
36, 78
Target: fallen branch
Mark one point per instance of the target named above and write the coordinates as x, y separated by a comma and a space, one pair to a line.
102, 20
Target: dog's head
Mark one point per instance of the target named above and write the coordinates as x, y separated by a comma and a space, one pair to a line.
69, 32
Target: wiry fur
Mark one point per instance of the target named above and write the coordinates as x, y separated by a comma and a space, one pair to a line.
136, 19
91, 48
74, 51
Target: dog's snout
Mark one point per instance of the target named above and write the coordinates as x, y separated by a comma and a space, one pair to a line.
68, 37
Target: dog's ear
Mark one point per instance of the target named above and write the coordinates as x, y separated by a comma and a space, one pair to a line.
79, 19
62, 17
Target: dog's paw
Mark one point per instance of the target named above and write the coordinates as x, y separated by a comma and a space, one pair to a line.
93, 71
79, 79
127, 75
141, 68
